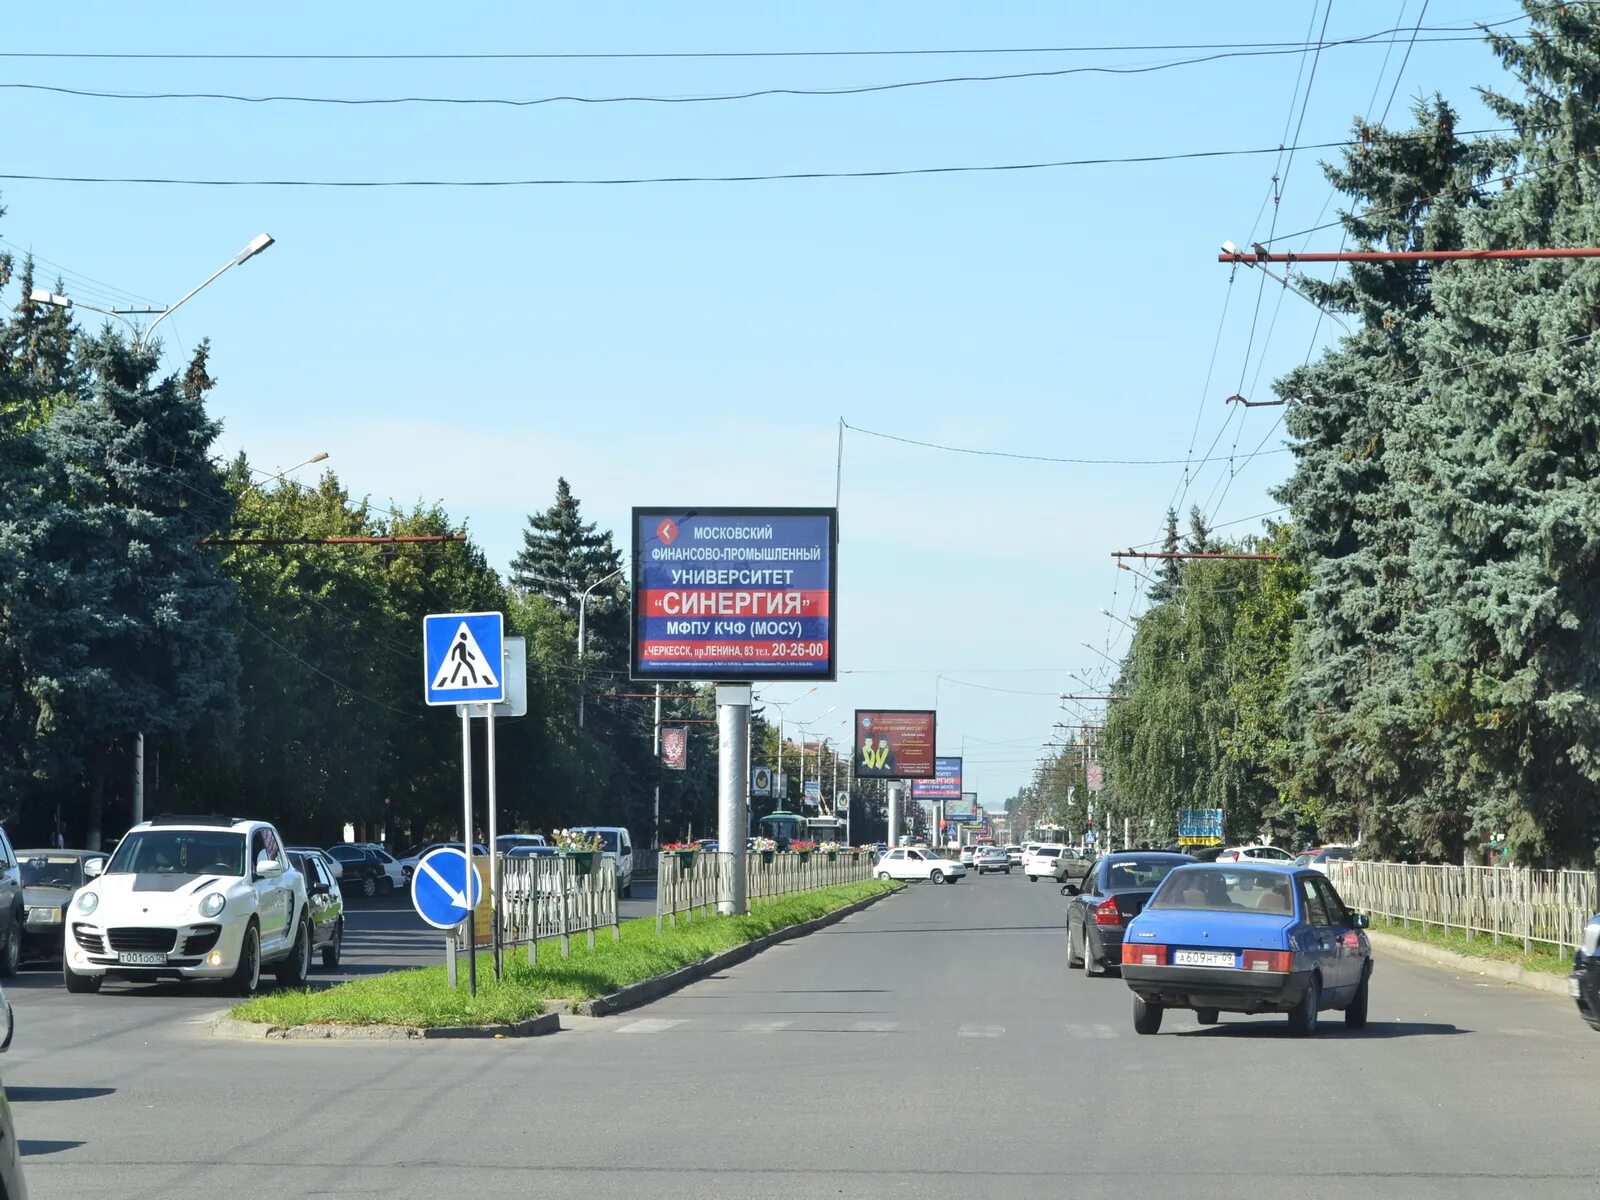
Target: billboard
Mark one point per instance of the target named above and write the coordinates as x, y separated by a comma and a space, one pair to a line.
734, 594
1200, 826
894, 744
945, 784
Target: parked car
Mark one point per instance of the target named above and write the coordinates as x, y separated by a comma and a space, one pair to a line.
507, 842
1203, 853
49, 877
1110, 895
1319, 858
191, 898
409, 860
967, 855
12, 1184
12, 915
1584, 982
616, 847
332, 864
912, 862
393, 872
992, 858
1251, 938
529, 850
361, 871
1275, 854
325, 903
1042, 862
1071, 865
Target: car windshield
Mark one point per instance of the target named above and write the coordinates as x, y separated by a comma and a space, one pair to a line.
50, 870
1130, 873
179, 852
609, 839
1221, 890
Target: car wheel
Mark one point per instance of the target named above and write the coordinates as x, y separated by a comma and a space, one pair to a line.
297, 966
247, 976
1206, 1016
330, 952
11, 957
1303, 1017
883, 874
1033, 879
1008, 870
1091, 967
80, 984
1146, 1016
1074, 959
1355, 1015
369, 887
936, 877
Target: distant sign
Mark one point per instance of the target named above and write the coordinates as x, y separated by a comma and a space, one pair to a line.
813, 791
734, 594
1200, 826
761, 781
1094, 775
895, 744
945, 784
841, 801
462, 657
674, 747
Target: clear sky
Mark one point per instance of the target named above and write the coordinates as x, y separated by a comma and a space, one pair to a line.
698, 343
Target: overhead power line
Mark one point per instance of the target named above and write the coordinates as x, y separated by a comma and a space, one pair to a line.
882, 173
516, 55
1108, 462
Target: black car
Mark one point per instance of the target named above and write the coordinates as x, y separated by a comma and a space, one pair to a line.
1584, 982
49, 877
363, 870
327, 907
1113, 892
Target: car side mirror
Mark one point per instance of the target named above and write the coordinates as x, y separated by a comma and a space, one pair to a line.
1359, 920
94, 868
319, 889
1069, 889
268, 867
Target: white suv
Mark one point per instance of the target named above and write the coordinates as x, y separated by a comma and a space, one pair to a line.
191, 898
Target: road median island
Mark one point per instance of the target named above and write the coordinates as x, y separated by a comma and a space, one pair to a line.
420, 1003
1544, 970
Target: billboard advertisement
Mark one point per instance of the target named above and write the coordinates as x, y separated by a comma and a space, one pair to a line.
1200, 826
894, 744
734, 594
945, 784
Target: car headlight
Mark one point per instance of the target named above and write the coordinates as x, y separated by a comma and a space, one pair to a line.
87, 902
212, 904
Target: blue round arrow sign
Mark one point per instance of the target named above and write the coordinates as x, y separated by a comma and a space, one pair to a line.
439, 888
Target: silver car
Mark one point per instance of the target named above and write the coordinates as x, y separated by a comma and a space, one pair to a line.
991, 858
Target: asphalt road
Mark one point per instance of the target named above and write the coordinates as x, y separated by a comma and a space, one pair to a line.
934, 1045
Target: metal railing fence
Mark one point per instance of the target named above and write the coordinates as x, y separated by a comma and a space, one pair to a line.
687, 884
1516, 903
553, 897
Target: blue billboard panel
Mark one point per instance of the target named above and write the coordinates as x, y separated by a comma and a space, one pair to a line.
945, 784
1200, 825
734, 594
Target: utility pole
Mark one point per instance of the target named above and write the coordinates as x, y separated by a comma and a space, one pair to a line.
656, 750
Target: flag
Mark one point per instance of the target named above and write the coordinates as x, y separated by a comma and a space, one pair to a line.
674, 746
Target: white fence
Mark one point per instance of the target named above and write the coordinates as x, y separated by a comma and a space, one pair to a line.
693, 883
1499, 902
551, 897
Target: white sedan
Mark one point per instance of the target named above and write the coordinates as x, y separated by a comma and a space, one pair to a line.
1272, 854
913, 862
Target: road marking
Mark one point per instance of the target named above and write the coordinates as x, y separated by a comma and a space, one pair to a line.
981, 1031
766, 1026
649, 1025
1091, 1032
875, 1027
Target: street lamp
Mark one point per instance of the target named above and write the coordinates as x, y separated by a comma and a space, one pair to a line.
583, 604
1102, 654
781, 705
265, 475
804, 729
44, 296
1106, 612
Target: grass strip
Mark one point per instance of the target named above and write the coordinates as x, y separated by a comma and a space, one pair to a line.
1547, 958
423, 998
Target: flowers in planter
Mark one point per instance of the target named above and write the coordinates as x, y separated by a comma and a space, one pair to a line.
764, 844
830, 847
803, 847
567, 839
680, 846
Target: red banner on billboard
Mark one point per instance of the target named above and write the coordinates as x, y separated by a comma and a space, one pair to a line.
674, 747
894, 744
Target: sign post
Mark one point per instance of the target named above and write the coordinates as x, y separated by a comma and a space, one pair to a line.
733, 789
463, 663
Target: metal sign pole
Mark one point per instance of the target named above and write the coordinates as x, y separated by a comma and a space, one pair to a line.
896, 792
466, 845
494, 852
733, 790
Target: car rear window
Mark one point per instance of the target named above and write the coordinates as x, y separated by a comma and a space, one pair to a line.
1222, 890
1133, 873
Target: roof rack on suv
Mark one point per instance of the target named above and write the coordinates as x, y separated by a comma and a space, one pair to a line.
194, 819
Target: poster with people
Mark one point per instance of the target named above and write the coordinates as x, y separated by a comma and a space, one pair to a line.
894, 744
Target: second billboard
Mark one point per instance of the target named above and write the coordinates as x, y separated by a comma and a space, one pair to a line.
894, 744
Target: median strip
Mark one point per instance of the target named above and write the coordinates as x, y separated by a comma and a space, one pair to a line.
612, 976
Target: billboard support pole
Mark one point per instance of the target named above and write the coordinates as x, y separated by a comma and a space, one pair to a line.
733, 789
655, 748
896, 793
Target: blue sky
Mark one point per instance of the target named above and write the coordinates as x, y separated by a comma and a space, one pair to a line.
699, 343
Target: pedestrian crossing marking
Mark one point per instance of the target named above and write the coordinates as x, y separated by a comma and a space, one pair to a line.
1091, 1032
981, 1031
875, 1027
465, 665
766, 1026
650, 1025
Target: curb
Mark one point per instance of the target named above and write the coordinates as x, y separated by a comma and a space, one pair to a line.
227, 1027
647, 990
1435, 956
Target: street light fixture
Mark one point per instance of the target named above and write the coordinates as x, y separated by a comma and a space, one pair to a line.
1106, 612
1102, 654
265, 475
583, 604
140, 336
781, 705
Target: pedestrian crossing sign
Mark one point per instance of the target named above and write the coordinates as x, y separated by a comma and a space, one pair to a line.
461, 658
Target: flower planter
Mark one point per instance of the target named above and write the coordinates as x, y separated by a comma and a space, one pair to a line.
804, 854
833, 856
685, 859
583, 861
768, 855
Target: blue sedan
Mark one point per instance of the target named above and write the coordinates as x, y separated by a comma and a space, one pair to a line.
1248, 938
